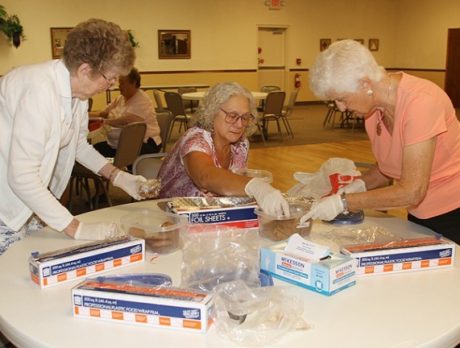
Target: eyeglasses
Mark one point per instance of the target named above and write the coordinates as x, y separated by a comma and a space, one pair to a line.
110, 81
233, 117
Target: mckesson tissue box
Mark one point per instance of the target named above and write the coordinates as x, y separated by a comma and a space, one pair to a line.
56, 267
326, 277
402, 256
165, 307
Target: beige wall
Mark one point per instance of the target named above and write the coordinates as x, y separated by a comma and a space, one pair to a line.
421, 36
412, 33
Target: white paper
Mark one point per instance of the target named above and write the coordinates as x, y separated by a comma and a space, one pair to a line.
300, 247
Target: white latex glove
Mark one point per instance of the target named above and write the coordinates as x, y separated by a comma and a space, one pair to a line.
269, 199
325, 209
129, 183
357, 185
97, 231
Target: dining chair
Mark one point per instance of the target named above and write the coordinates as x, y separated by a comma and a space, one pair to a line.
156, 95
148, 165
287, 111
346, 117
176, 106
190, 105
267, 89
129, 147
165, 120
332, 110
273, 109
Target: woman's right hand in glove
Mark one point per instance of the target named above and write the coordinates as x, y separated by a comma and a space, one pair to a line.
358, 185
269, 199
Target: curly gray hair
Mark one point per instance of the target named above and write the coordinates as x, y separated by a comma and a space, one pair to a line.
101, 44
218, 95
340, 68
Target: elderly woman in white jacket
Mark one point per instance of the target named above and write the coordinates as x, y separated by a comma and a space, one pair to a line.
43, 130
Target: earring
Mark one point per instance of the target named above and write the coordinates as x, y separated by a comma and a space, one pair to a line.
370, 92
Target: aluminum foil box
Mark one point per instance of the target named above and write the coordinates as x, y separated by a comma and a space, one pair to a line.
405, 256
56, 267
228, 211
172, 308
326, 277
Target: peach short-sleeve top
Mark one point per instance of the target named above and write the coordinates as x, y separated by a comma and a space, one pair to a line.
423, 111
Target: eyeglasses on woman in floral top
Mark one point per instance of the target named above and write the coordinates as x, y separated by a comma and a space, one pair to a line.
232, 117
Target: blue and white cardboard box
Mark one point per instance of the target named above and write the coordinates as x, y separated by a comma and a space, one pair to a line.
148, 306
326, 277
209, 211
405, 256
59, 266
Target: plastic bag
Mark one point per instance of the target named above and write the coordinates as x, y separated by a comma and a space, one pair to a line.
340, 237
214, 254
332, 175
255, 316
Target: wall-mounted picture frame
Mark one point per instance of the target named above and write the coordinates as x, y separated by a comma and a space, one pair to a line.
174, 44
361, 41
58, 38
324, 43
373, 44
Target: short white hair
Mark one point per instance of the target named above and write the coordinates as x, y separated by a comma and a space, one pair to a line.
340, 68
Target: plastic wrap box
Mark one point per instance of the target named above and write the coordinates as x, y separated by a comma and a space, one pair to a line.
63, 265
427, 255
240, 215
326, 277
173, 308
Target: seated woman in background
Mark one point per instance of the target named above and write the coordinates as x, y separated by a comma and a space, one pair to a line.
202, 160
133, 105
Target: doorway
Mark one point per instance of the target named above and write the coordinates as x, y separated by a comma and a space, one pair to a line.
452, 80
272, 56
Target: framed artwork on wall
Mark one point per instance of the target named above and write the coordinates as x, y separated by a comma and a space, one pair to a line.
373, 44
58, 37
324, 43
174, 44
361, 41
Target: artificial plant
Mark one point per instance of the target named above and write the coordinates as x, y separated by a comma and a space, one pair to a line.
11, 27
132, 39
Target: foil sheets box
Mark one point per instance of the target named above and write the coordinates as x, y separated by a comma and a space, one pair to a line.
161, 307
402, 256
56, 267
228, 211
327, 277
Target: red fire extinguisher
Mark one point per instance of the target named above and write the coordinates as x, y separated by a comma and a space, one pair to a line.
297, 82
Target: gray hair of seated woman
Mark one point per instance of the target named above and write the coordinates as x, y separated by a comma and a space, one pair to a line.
218, 95
341, 67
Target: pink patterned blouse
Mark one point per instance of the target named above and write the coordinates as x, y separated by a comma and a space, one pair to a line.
175, 182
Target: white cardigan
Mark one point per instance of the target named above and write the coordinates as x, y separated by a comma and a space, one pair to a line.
42, 132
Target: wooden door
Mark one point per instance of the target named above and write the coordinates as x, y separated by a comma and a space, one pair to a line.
271, 55
452, 84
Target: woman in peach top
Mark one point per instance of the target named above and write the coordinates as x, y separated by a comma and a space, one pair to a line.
415, 137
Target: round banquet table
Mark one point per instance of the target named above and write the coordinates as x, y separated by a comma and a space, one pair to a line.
416, 309
200, 95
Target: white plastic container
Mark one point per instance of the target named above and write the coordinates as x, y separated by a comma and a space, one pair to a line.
160, 230
278, 228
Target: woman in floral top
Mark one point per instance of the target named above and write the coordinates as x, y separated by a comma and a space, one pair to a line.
204, 158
